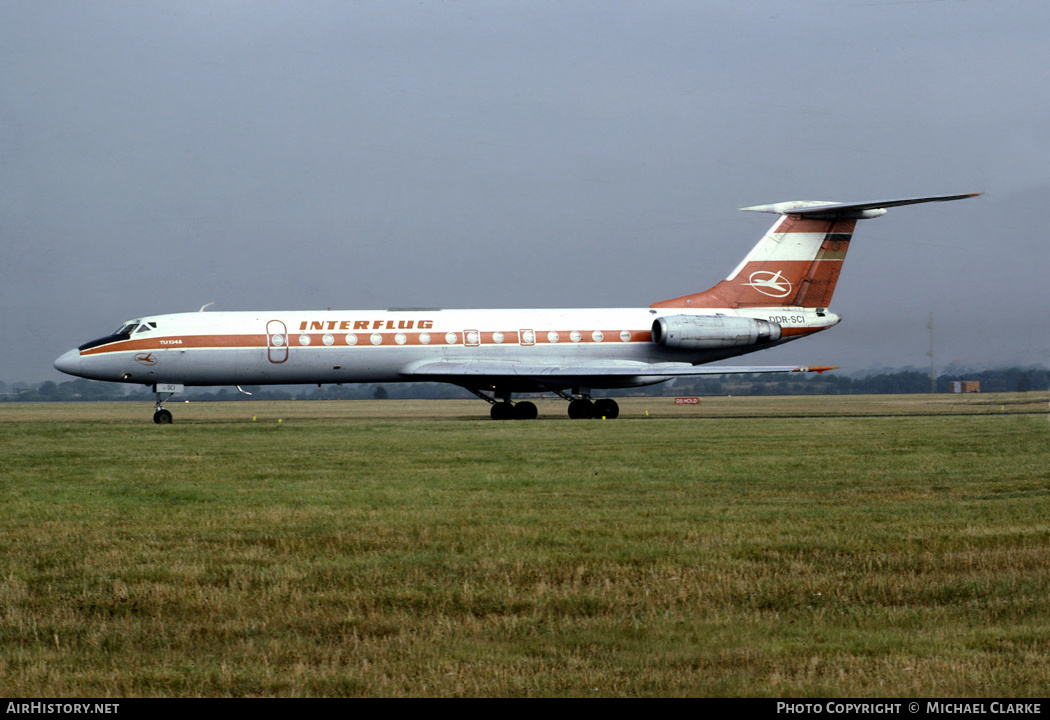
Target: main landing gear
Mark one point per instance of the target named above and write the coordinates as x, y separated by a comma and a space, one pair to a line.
584, 409
581, 407
504, 409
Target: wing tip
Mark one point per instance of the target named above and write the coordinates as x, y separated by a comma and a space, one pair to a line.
819, 369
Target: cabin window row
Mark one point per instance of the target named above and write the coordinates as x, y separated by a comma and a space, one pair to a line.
469, 337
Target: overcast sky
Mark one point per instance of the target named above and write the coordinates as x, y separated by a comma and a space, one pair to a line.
157, 156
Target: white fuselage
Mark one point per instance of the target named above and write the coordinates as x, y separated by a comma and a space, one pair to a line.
261, 348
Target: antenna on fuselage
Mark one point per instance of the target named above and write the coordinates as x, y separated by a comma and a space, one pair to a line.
205, 305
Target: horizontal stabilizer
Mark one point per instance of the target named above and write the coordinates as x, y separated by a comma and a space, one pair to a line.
847, 211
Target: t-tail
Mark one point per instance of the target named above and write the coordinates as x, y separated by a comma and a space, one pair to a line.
797, 262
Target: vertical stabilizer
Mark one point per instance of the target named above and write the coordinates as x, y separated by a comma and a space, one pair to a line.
798, 261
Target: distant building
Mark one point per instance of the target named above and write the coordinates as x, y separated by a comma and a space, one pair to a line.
964, 386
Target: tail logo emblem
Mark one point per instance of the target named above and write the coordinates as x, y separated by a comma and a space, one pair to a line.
769, 283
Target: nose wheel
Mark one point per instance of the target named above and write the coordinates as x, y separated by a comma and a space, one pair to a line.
163, 392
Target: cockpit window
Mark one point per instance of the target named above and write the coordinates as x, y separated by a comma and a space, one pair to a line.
120, 334
127, 328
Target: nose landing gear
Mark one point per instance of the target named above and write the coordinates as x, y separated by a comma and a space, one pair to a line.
163, 392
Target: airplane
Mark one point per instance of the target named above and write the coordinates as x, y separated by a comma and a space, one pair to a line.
778, 293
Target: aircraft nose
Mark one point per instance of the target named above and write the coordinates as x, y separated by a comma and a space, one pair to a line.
69, 363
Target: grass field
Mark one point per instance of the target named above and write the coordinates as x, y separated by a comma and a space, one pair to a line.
792, 546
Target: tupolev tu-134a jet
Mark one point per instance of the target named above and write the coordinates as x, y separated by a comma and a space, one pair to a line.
778, 293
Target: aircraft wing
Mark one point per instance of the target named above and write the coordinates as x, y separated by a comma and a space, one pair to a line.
452, 371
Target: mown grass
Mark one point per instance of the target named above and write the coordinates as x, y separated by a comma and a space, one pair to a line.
749, 547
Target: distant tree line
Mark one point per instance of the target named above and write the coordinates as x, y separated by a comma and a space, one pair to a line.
892, 382
81, 390
905, 381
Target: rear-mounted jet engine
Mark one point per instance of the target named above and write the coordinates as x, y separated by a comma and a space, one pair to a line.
711, 332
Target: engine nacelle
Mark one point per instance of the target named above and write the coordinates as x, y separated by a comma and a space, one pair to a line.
711, 332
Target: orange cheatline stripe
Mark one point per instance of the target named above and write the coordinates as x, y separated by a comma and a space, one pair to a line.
182, 341
437, 338
794, 331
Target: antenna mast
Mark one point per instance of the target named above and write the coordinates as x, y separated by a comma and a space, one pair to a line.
933, 365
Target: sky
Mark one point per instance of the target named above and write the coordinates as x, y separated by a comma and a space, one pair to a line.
157, 156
